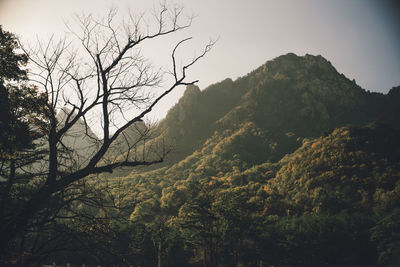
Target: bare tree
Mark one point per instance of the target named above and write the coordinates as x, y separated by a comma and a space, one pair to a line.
105, 81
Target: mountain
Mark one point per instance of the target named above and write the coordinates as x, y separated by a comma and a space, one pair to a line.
78, 144
75, 148
333, 201
285, 100
266, 113
292, 164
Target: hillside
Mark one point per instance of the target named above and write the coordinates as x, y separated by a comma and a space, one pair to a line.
334, 200
287, 98
292, 164
340, 192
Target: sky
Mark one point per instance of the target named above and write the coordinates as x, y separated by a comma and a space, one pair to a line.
361, 38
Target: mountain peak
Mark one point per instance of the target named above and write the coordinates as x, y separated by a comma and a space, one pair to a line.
292, 62
192, 89
395, 91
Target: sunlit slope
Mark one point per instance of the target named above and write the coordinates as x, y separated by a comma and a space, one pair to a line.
334, 200
265, 114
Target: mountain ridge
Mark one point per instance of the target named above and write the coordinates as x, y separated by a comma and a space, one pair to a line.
292, 164
300, 96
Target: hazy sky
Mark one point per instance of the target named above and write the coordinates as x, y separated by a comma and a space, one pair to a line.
360, 37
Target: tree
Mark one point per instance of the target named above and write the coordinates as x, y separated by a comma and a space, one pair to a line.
20, 106
200, 221
17, 101
157, 222
101, 82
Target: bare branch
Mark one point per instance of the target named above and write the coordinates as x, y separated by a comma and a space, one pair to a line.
101, 78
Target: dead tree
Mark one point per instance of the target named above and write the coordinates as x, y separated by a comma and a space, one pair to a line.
104, 81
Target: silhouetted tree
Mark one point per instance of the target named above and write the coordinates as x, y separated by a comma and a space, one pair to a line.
105, 81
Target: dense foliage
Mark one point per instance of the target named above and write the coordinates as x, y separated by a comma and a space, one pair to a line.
252, 184
17, 100
333, 201
281, 167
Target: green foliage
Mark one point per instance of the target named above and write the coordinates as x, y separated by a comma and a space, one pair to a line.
266, 172
333, 201
10, 61
346, 177
20, 104
251, 185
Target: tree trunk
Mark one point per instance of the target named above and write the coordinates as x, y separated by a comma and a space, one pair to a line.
10, 183
159, 251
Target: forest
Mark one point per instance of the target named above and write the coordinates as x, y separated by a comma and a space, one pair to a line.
290, 164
